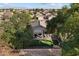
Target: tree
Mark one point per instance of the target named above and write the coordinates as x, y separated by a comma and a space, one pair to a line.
69, 29
22, 38
20, 19
75, 7
71, 32
57, 22
14, 30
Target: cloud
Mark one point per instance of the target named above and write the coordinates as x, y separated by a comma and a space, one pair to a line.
53, 4
59, 5
32, 5
7, 5
1, 5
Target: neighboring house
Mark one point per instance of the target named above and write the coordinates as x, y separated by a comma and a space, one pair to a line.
38, 30
7, 15
42, 21
38, 24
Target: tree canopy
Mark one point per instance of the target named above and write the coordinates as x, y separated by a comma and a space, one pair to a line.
68, 18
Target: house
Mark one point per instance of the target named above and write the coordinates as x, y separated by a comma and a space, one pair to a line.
38, 24
42, 21
38, 30
7, 15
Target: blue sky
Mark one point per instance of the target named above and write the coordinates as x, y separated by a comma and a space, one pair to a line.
33, 5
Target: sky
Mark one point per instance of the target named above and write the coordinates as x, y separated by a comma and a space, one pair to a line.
33, 5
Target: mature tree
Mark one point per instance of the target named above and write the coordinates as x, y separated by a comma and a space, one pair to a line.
71, 32
14, 30
57, 22
69, 29
75, 7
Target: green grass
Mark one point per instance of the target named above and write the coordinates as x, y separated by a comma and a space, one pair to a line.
48, 42
41, 43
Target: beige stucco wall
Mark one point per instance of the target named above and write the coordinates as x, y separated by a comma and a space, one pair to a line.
34, 23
